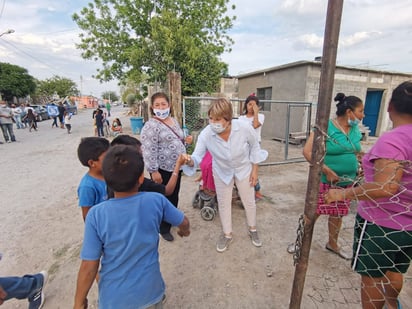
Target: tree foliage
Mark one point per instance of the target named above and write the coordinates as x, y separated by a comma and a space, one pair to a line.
149, 38
110, 95
57, 85
15, 81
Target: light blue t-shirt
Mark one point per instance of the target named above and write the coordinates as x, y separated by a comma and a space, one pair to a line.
124, 233
91, 191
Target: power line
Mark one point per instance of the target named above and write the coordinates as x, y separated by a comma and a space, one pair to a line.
28, 55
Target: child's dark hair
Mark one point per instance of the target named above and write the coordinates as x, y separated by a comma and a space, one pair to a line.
91, 148
252, 97
125, 139
122, 167
401, 99
345, 103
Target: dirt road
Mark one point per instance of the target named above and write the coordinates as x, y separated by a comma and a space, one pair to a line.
41, 228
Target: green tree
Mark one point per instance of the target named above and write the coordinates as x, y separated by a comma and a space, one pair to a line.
110, 95
59, 85
15, 81
149, 38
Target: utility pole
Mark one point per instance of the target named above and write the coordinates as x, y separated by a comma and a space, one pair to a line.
330, 47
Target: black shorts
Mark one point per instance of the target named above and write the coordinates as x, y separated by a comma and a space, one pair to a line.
380, 249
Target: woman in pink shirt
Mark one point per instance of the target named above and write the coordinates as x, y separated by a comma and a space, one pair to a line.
383, 229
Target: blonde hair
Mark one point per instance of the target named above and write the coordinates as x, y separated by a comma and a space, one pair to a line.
221, 108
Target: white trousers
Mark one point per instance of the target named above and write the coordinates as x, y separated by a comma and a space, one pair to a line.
224, 199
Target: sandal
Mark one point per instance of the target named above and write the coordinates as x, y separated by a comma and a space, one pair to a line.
339, 252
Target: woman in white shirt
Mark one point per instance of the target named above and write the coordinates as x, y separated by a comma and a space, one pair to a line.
236, 153
251, 115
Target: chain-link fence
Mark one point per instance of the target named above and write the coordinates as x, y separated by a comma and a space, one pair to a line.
286, 122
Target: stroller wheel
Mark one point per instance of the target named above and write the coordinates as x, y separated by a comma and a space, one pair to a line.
207, 213
196, 200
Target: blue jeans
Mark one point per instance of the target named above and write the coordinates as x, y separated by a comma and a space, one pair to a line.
8, 134
21, 287
19, 124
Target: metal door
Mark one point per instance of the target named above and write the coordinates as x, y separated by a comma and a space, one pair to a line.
372, 108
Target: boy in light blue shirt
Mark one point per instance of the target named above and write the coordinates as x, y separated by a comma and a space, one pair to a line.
92, 187
126, 229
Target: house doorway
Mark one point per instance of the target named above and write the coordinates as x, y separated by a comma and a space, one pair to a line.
372, 108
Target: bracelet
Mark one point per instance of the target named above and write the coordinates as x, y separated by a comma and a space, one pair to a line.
174, 174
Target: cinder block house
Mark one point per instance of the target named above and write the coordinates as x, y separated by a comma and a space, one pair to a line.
299, 82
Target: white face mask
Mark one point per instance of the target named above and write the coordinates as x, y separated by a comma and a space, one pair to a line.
162, 113
217, 127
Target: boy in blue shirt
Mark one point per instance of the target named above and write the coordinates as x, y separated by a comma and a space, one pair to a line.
92, 187
126, 229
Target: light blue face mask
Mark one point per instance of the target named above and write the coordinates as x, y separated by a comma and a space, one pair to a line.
353, 122
217, 127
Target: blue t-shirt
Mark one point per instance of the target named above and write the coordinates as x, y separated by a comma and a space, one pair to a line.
91, 191
124, 233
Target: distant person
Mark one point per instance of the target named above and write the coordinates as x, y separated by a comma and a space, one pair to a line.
106, 124
53, 112
61, 114
236, 154
99, 118
122, 235
29, 287
382, 248
255, 119
6, 122
94, 120
67, 121
31, 119
117, 127
340, 164
16, 110
108, 108
92, 187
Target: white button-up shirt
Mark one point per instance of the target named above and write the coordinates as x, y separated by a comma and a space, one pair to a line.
231, 158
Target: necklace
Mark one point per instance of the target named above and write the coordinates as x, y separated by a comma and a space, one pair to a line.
336, 123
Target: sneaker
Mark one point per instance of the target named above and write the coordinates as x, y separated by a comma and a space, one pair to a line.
223, 243
37, 300
255, 238
163, 299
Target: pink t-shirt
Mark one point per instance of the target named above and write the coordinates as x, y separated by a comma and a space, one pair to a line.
394, 212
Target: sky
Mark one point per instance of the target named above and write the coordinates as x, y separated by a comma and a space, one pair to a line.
374, 33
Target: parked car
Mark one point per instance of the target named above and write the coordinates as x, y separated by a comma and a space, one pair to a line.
70, 108
41, 112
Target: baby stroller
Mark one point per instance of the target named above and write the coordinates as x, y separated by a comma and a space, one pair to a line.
205, 198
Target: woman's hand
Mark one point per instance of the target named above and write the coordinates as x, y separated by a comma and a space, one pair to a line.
253, 178
331, 176
334, 195
157, 177
189, 139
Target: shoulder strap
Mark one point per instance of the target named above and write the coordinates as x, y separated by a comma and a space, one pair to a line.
170, 128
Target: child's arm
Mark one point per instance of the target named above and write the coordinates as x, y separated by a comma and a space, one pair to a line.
184, 228
171, 184
85, 210
85, 278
